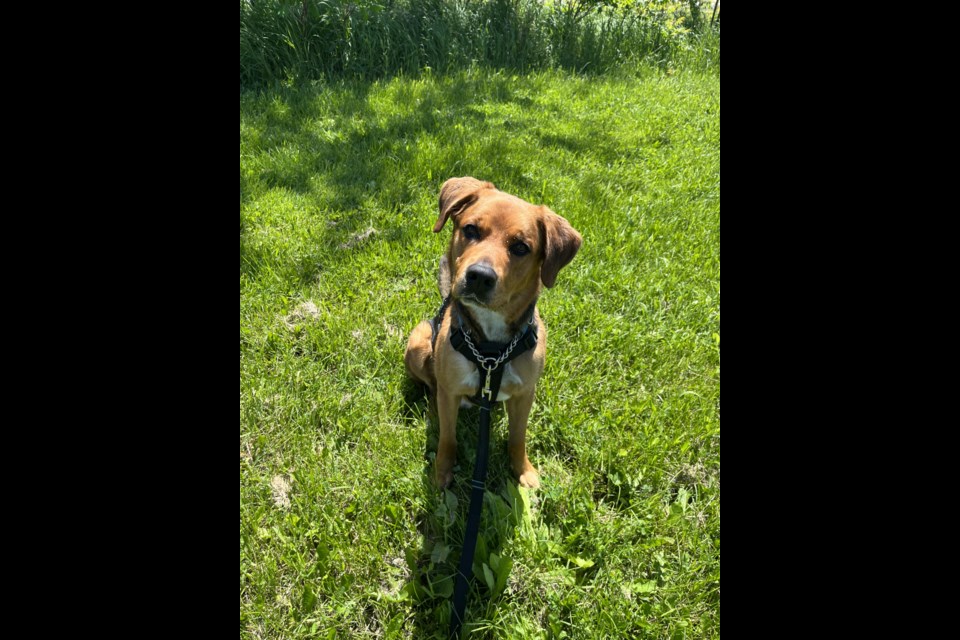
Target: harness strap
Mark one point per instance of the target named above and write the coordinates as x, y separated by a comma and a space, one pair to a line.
436, 321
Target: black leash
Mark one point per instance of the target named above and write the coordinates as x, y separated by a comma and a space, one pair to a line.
478, 485
490, 359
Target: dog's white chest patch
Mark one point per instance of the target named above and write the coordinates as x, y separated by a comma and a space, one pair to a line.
492, 323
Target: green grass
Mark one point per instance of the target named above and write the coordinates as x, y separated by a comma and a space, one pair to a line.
293, 41
623, 540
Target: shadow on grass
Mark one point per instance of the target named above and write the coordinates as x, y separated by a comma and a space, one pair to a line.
347, 147
348, 139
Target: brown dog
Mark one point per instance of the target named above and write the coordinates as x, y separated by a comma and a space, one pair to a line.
501, 250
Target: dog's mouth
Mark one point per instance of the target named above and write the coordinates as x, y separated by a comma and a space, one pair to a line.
474, 299
471, 298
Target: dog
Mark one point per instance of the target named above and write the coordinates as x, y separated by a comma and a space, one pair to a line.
502, 252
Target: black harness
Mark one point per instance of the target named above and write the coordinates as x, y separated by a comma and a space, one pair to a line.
490, 359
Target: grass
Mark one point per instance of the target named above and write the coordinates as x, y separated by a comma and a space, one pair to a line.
341, 532
293, 41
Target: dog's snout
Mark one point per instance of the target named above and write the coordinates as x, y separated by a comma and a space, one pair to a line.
481, 279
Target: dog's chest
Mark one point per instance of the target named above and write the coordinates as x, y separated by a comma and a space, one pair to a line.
471, 380
493, 324
495, 328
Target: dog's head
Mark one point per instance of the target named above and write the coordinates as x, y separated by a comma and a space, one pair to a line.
502, 247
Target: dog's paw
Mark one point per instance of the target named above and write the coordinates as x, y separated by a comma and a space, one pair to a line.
443, 479
530, 479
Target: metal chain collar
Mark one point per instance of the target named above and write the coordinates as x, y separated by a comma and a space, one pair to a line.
488, 364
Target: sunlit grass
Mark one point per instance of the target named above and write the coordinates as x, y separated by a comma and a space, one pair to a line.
341, 533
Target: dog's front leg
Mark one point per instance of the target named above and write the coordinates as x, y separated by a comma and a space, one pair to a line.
448, 407
518, 410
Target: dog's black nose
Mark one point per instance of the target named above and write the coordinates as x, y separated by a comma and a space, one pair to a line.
481, 279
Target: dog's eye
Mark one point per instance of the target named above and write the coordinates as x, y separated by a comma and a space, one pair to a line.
471, 232
519, 249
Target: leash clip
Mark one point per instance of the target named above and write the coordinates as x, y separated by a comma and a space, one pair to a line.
487, 392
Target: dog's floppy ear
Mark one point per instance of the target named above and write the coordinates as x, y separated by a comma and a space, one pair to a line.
456, 195
561, 243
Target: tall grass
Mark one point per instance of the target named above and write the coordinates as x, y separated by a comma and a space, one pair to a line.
302, 40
